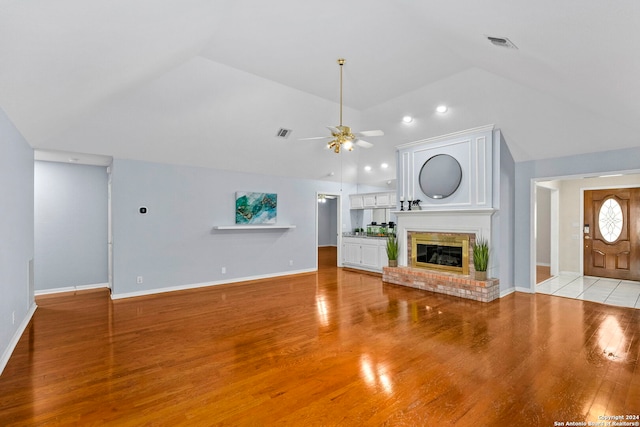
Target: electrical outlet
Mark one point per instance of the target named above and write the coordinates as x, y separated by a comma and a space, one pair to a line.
224, 270
13, 318
290, 262
139, 280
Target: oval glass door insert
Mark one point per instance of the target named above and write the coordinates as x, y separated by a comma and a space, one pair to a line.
610, 220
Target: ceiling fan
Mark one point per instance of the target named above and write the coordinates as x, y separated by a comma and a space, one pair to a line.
341, 135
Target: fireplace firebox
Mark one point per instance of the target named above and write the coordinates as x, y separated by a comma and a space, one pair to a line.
437, 251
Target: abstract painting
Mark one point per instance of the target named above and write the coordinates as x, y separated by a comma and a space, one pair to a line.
256, 208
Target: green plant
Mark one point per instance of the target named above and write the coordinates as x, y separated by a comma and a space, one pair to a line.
481, 254
392, 248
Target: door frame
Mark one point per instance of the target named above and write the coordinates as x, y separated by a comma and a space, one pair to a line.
338, 197
532, 212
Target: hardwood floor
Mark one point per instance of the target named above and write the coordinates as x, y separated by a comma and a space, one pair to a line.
543, 273
328, 348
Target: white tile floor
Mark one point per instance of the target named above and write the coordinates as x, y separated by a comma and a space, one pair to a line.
623, 293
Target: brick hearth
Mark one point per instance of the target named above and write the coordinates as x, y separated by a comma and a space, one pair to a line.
443, 283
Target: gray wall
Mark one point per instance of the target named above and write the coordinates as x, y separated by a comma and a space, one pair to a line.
16, 231
503, 221
526, 172
328, 223
174, 245
70, 225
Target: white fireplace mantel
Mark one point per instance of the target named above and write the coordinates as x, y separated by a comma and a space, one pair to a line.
476, 221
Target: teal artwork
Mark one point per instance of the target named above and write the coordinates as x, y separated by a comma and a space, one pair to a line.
256, 208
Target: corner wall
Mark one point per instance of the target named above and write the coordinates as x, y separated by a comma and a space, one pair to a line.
16, 245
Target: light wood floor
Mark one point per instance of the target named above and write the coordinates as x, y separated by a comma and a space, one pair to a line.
329, 348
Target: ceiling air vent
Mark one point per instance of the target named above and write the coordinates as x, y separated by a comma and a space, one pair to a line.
283, 133
502, 42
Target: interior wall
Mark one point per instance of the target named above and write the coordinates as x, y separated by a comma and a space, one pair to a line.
503, 221
70, 225
174, 244
526, 175
16, 228
328, 223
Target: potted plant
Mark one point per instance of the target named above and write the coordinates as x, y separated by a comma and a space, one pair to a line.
481, 258
392, 250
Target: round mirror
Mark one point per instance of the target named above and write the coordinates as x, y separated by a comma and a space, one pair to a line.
440, 176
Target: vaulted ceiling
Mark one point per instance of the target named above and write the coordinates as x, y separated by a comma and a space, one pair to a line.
209, 83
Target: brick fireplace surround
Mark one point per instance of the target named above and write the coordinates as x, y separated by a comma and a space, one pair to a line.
463, 286
443, 283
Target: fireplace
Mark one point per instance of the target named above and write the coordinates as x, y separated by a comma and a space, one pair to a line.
440, 251
454, 228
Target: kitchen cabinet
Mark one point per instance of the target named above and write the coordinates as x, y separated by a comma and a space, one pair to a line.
369, 200
352, 253
373, 200
370, 255
364, 253
356, 201
383, 199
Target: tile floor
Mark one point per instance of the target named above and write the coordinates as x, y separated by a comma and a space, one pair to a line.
623, 293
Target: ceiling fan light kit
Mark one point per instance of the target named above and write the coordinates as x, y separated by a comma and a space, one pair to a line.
342, 136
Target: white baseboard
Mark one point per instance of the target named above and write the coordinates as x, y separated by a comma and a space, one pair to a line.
507, 292
205, 284
71, 289
16, 337
543, 264
525, 290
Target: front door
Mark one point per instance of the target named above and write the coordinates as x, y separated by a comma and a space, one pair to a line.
611, 233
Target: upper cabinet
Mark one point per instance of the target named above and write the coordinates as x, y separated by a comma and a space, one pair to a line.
373, 200
356, 202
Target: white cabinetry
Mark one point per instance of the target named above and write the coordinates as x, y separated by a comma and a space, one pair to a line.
352, 254
364, 253
383, 199
356, 202
369, 200
370, 254
373, 200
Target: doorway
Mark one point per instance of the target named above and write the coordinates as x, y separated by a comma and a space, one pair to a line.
328, 226
610, 233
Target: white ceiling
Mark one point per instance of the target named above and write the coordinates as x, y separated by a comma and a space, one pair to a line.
209, 83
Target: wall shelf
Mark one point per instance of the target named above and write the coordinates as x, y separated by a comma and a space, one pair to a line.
251, 227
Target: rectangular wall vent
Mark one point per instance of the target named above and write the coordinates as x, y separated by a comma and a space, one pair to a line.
283, 133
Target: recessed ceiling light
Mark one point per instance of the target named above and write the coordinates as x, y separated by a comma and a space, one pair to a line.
441, 109
367, 168
407, 119
384, 165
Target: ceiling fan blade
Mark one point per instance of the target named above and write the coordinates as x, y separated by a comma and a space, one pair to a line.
315, 137
370, 133
363, 143
334, 130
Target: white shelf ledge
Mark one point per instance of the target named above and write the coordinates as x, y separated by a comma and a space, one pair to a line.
251, 227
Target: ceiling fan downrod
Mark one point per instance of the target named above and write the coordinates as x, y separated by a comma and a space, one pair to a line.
341, 62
